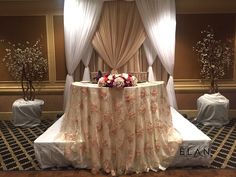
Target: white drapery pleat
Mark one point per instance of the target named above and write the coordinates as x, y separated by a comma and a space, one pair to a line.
151, 57
80, 21
86, 59
159, 19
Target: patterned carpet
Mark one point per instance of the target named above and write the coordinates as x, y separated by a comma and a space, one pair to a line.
16, 146
223, 149
17, 153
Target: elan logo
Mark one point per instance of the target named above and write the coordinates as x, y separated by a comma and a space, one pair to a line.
193, 151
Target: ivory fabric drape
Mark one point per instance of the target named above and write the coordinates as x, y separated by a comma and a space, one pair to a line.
151, 56
137, 63
80, 22
86, 59
159, 19
120, 33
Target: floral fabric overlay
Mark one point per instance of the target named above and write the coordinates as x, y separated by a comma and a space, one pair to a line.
117, 80
119, 130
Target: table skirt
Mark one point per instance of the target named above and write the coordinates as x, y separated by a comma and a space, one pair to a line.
119, 130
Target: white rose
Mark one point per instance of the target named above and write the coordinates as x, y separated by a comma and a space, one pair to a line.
117, 75
134, 80
119, 82
125, 75
110, 77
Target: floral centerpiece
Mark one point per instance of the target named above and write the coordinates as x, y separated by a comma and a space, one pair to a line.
117, 80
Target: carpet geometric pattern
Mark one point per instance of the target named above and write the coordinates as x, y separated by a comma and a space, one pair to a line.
16, 145
223, 148
17, 152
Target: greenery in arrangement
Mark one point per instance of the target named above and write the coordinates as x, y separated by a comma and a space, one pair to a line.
215, 57
25, 63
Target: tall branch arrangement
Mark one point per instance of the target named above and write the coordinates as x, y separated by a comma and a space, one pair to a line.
25, 63
215, 57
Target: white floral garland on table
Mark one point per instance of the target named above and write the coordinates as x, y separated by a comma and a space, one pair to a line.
117, 80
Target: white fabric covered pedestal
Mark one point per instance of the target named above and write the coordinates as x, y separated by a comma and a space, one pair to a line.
27, 113
213, 109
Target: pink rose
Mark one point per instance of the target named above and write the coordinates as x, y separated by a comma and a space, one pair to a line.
119, 82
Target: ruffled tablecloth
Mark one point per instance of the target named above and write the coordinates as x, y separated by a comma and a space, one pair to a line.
119, 130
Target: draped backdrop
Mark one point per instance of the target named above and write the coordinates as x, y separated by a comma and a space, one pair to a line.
80, 22
117, 35
159, 19
120, 33
86, 59
151, 57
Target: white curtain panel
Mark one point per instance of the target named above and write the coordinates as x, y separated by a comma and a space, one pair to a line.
86, 59
151, 57
80, 21
159, 19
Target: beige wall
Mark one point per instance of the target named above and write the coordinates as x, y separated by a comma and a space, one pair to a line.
28, 20
192, 17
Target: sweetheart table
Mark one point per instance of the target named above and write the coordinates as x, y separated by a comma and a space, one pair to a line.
119, 130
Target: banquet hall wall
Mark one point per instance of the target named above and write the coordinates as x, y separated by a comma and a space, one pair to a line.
27, 20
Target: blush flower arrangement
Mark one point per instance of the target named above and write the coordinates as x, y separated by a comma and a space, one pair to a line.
117, 80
